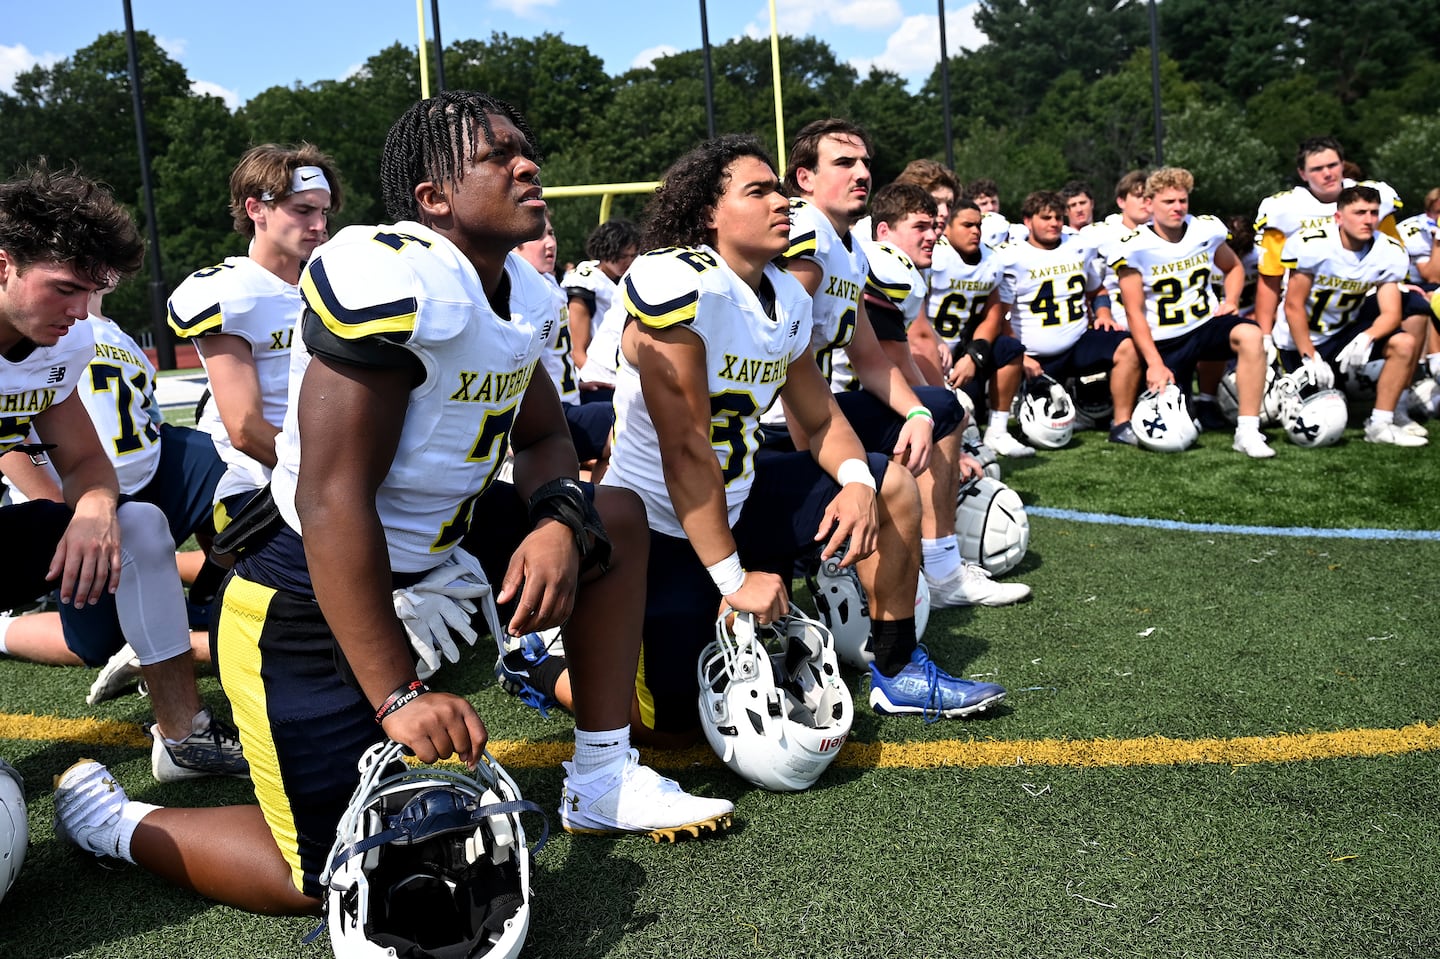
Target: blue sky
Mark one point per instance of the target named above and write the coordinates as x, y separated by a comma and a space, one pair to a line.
237, 50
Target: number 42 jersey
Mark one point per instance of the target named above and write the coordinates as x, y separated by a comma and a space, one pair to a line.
750, 343
1046, 291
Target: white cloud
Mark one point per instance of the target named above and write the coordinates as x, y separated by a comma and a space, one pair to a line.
866, 14
913, 50
206, 88
523, 8
174, 46
17, 59
648, 56
354, 70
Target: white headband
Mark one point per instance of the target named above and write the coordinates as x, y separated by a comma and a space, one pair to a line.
304, 178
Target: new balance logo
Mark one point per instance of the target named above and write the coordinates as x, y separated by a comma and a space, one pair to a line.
57, 374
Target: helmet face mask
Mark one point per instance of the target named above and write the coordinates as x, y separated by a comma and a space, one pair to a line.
1047, 413
429, 859
1162, 421
772, 702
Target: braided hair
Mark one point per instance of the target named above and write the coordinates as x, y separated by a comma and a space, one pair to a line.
434, 140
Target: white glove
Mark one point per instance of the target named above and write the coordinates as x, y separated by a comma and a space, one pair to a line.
1272, 355
1355, 354
1320, 371
439, 607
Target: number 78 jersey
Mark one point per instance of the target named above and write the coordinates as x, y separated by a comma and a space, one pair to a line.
1177, 277
1046, 292
1341, 279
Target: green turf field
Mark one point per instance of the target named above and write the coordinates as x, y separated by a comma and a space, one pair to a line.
1215, 745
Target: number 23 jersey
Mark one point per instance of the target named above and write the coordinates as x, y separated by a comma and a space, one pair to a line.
1177, 277
747, 357
373, 290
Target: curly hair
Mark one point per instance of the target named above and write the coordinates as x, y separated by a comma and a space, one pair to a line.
68, 218
675, 215
1042, 201
1170, 178
609, 241
268, 168
434, 140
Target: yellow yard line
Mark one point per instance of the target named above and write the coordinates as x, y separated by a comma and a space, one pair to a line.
1144, 751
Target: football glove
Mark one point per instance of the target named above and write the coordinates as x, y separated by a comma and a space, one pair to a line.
1320, 371
1355, 354
1272, 355
439, 607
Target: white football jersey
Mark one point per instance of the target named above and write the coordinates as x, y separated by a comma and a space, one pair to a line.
604, 335
836, 302
40, 379
747, 354
409, 286
118, 391
556, 358
1045, 290
958, 291
241, 298
1418, 235
1177, 278
1282, 215
996, 231
893, 277
1341, 278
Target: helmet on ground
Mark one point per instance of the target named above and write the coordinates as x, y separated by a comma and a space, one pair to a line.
772, 702
1228, 397
1094, 406
922, 606
989, 462
1359, 381
1047, 414
991, 525
14, 827
1313, 415
430, 861
1162, 421
842, 606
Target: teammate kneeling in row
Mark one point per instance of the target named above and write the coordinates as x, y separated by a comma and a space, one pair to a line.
1343, 310
1165, 269
413, 373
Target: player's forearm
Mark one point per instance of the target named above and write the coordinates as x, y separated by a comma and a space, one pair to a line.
90, 483
697, 492
35, 482
255, 437
1267, 301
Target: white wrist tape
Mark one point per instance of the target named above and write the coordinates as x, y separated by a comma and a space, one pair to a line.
854, 471
727, 574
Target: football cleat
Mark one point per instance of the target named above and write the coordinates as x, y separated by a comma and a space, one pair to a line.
1253, 445
1123, 433
117, 677
772, 703
512, 670
971, 585
430, 862
88, 807
924, 688
1392, 435
211, 749
627, 797
1006, 445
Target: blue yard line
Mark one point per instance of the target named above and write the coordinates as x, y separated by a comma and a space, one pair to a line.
1110, 519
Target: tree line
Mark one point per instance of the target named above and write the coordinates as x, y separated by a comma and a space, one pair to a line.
1061, 90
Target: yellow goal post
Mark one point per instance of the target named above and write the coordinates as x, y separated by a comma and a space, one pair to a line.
607, 192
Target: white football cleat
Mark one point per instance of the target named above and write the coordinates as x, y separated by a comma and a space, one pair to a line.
117, 677
627, 797
1253, 445
1393, 435
1006, 445
971, 585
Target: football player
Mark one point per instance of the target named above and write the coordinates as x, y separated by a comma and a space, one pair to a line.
1047, 289
241, 313
828, 179
62, 238
963, 309
590, 423
591, 288
1335, 321
413, 373
1166, 270
996, 229
716, 333
1079, 205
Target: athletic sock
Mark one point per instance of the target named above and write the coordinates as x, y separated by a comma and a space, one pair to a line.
1247, 424
1381, 417
595, 749
893, 642
940, 556
5, 620
999, 421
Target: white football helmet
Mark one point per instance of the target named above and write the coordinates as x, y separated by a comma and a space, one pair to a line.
1047, 414
430, 861
1162, 421
14, 827
989, 462
922, 606
842, 606
1228, 397
776, 717
1313, 415
1359, 382
991, 525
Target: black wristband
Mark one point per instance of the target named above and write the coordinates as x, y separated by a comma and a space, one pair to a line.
979, 352
565, 501
403, 696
